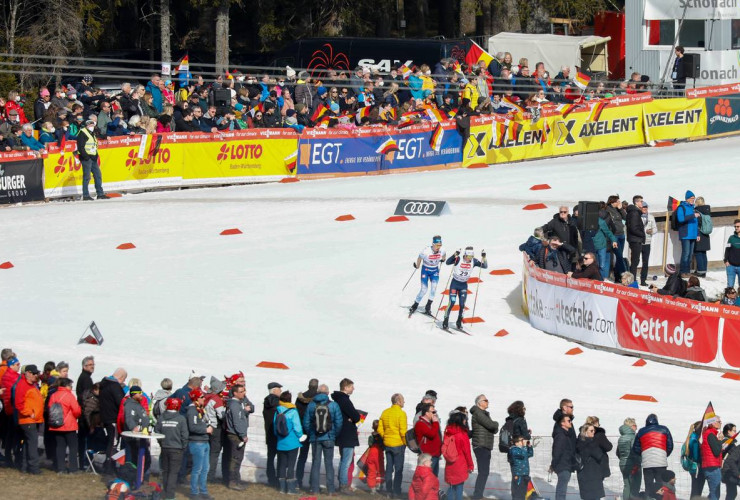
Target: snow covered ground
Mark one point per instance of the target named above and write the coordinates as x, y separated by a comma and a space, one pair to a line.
323, 296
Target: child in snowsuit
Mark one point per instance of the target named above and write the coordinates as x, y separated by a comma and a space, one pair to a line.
424, 485
375, 460
668, 490
519, 455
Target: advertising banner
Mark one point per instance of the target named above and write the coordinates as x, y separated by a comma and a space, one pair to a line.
731, 341
327, 153
21, 178
494, 139
676, 118
723, 114
691, 9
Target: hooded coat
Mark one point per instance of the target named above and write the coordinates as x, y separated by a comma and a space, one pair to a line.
653, 443
347, 437
591, 478
458, 471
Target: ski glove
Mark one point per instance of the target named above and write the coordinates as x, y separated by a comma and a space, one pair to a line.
483, 255
415, 265
457, 253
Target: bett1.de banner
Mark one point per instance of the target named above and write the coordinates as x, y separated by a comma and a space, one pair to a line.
632, 321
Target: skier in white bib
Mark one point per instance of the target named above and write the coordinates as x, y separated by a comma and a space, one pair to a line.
459, 286
430, 259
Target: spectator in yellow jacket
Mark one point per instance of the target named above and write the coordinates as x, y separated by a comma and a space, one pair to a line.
392, 428
470, 91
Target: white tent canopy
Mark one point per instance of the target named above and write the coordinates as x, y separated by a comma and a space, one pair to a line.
587, 52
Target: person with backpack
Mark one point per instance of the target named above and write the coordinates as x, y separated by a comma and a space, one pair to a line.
484, 432
653, 444
514, 425
592, 457
424, 484
289, 434
29, 408
703, 243
732, 255
392, 428
301, 403
176, 436
347, 437
617, 215
691, 458
563, 462
629, 463
12, 437
456, 452
159, 400
270, 405
236, 425
688, 231
429, 435
711, 457
519, 454
323, 421
215, 410
64, 404
731, 464
198, 433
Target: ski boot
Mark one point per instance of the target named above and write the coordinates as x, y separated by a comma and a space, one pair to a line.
413, 307
428, 308
458, 324
445, 322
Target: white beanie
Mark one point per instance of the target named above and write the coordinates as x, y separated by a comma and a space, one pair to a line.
290, 72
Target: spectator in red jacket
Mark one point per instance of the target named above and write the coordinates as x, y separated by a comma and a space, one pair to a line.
711, 457
428, 434
457, 472
11, 436
668, 490
375, 459
424, 485
66, 435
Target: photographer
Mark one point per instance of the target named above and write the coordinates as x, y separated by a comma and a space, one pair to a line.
587, 268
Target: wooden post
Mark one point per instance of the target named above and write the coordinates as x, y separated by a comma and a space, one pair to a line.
666, 235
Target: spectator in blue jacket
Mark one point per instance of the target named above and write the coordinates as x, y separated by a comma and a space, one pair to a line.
323, 413
654, 444
153, 88
534, 244
47, 134
29, 140
288, 445
519, 454
688, 230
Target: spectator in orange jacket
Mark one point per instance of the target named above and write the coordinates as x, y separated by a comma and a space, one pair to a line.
29, 406
428, 434
424, 485
66, 435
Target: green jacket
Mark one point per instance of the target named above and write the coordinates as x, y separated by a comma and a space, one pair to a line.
601, 236
483, 428
624, 447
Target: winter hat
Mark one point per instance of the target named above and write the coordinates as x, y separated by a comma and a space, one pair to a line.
334, 107
135, 390
71, 92
268, 105
290, 72
12, 361
670, 270
303, 75
274, 385
290, 112
291, 120
667, 475
321, 91
216, 385
644, 204
44, 93
689, 194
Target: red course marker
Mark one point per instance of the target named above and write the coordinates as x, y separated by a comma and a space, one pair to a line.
286, 180
343, 218
663, 144
479, 165
227, 232
397, 218
272, 364
501, 272
501, 333
474, 319
475, 279
540, 187
639, 362
535, 206
731, 376
126, 246
639, 397
114, 195
6, 265
645, 173
574, 351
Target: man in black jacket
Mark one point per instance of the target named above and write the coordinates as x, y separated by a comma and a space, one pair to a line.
563, 225
678, 75
271, 402
635, 232
347, 438
84, 384
301, 403
563, 453
185, 123
111, 394
484, 430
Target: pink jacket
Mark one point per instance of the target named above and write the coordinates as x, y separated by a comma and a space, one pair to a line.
71, 408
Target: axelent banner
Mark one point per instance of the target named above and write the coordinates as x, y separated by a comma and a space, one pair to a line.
332, 152
21, 180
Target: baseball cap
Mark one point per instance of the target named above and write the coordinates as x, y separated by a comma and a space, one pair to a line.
31, 369
273, 385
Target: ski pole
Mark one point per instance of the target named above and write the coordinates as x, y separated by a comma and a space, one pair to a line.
477, 285
409, 280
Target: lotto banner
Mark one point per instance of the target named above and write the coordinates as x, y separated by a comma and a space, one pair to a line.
632, 321
330, 153
723, 114
678, 118
175, 159
21, 178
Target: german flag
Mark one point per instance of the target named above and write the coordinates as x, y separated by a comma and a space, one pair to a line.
673, 204
452, 113
531, 491
435, 142
457, 67
363, 416
596, 110
729, 440
362, 113
324, 121
387, 147
145, 145
545, 132
511, 104
291, 160
568, 109
405, 71
502, 128
514, 129
435, 115
257, 107
709, 416
320, 111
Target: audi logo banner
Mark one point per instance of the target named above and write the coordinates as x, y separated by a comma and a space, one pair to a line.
420, 207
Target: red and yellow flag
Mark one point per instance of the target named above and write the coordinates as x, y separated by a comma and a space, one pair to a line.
476, 54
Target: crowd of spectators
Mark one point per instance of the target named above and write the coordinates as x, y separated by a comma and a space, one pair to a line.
566, 246
331, 98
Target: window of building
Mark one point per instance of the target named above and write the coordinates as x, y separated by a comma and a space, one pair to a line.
692, 33
661, 32
735, 34
664, 33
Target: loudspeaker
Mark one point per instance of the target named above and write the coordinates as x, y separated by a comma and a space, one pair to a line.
588, 215
692, 65
222, 97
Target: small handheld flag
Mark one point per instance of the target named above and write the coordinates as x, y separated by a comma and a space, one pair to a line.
91, 335
672, 204
387, 147
582, 80
435, 142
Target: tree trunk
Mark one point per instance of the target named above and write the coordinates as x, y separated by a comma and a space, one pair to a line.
164, 27
421, 17
447, 25
12, 26
467, 16
222, 36
385, 21
538, 20
506, 17
486, 25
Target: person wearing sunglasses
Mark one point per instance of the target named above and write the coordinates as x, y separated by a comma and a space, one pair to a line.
732, 255
588, 268
429, 435
563, 226
484, 431
729, 298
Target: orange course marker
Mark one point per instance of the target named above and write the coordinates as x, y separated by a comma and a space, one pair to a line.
272, 364
574, 351
501, 333
501, 272
456, 307
639, 397
343, 218
6, 265
114, 195
729, 375
286, 180
479, 165
540, 187
475, 279
474, 319
227, 232
126, 246
663, 144
645, 173
397, 218
534, 206
639, 362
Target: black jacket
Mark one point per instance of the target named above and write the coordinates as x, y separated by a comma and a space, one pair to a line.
268, 413
84, 384
635, 227
520, 427
347, 437
702, 245
731, 465
545, 253
111, 394
589, 272
606, 446
674, 286
186, 126
302, 401
563, 449
591, 478
565, 230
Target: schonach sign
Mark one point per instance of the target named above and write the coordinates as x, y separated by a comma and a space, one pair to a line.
423, 208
